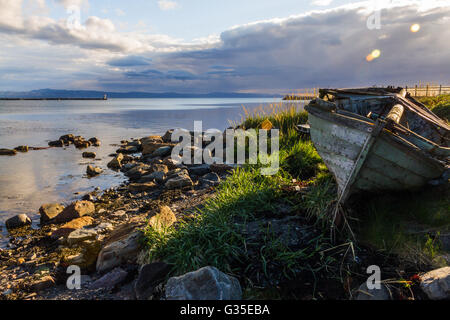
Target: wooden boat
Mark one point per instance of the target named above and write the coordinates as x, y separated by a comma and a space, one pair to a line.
378, 139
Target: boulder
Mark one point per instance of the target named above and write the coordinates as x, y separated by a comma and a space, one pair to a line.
81, 235
163, 219
159, 167
167, 137
49, 211
137, 171
22, 149
89, 155
141, 187
150, 147
18, 221
121, 251
207, 283
365, 293
71, 226
221, 168
128, 150
110, 280
200, 170
436, 284
162, 151
210, 179
76, 210
92, 171
56, 143
116, 163
157, 176
178, 178
150, 275
87, 259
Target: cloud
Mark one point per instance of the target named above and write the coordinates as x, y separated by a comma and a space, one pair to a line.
129, 61
319, 48
323, 3
167, 5
69, 3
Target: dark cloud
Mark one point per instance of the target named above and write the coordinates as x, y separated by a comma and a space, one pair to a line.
130, 61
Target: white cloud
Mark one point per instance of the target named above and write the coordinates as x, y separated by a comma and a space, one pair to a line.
322, 3
167, 5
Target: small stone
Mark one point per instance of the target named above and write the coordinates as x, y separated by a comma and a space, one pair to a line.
163, 219
95, 142
18, 221
128, 150
167, 137
89, 155
57, 143
210, 179
23, 149
179, 182
365, 293
7, 152
158, 176
93, 171
207, 283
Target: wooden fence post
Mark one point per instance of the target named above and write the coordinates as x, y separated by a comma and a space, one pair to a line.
427, 90
440, 89
415, 91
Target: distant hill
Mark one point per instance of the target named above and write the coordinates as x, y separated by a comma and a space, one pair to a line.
51, 93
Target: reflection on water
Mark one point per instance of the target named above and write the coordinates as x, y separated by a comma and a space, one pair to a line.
37, 177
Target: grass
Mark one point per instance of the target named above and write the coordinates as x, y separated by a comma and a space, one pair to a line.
391, 224
440, 105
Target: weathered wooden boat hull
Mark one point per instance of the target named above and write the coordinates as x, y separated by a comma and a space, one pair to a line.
363, 159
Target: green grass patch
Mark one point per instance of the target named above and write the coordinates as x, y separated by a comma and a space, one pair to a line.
440, 105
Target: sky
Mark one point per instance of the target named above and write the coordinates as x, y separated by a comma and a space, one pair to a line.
200, 46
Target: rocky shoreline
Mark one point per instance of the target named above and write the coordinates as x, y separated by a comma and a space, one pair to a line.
101, 232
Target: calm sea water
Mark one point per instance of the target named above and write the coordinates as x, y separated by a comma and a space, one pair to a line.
56, 175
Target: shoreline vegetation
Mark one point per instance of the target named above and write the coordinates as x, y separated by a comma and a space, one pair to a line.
172, 228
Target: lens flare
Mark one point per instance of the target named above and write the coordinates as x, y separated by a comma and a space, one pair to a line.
415, 27
373, 55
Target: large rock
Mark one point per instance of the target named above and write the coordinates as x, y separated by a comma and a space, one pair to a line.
137, 171
211, 179
110, 280
167, 137
157, 176
436, 284
123, 250
141, 187
49, 211
163, 219
162, 152
365, 293
92, 171
87, 259
128, 150
71, 226
150, 275
116, 163
43, 284
150, 147
200, 170
18, 221
81, 235
207, 283
178, 179
76, 210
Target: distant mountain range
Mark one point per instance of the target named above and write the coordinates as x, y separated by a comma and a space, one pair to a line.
51, 93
